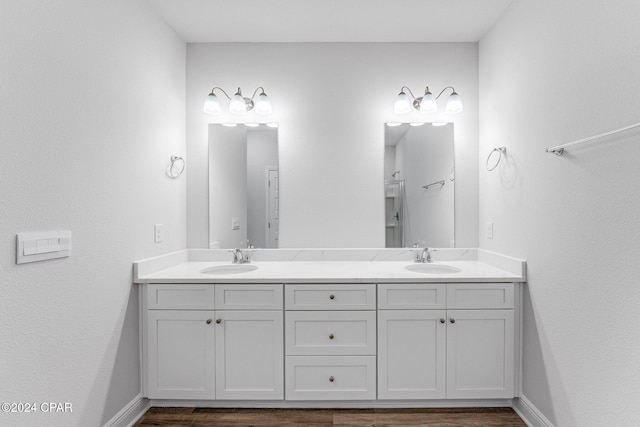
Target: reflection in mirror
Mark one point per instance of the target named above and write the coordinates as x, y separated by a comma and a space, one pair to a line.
243, 186
419, 185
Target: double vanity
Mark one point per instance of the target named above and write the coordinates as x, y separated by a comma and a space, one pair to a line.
331, 328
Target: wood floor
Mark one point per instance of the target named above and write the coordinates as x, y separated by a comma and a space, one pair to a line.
449, 417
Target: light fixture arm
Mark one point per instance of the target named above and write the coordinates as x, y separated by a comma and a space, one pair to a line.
259, 88
409, 90
442, 91
223, 91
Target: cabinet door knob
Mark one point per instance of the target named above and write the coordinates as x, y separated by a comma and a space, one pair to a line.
331, 336
218, 321
452, 320
208, 321
441, 320
332, 296
330, 379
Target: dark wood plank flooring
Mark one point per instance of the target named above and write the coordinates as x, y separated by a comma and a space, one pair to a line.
233, 417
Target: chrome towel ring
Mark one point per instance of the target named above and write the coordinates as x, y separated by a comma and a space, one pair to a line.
176, 167
500, 151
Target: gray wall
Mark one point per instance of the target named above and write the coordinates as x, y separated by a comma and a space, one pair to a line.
331, 101
92, 109
552, 72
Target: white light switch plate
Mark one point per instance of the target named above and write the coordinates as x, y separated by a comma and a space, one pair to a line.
489, 230
40, 246
235, 223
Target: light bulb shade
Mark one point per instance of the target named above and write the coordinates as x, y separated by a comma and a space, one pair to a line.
237, 104
454, 104
402, 104
263, 105
212, 105
428, 103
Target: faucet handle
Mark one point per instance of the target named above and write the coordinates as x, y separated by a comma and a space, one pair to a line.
237, 255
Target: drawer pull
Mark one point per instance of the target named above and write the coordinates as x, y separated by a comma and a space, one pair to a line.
452, 320
331, 336
208, 321
218, 321
331, 379
332, 296
441, 320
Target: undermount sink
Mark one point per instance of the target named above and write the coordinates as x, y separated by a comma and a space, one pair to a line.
229, 269
433, 268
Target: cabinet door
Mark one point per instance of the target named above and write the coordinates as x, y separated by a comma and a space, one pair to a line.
180, 354
411, 354
480, 352
249, 355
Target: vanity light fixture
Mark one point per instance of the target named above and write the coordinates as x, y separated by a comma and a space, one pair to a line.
238, 104
427, 102
393, 124
272, 125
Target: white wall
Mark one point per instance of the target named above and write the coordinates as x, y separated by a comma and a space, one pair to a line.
552, 72
92, 109
331, 101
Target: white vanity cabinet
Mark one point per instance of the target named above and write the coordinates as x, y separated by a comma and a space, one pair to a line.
412, 334
249, 342
179, 342
449, 341
214, 341
331, 342
330, 335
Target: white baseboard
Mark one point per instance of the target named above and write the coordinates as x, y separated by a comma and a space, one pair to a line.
529, 413
458, 403
130, 413
135, 409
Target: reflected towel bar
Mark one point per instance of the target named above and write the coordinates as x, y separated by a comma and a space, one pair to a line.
559, 150
440, 183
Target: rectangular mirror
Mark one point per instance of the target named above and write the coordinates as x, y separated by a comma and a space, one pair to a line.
243, 186
419, 180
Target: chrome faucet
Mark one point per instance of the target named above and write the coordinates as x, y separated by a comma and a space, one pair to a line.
239, 257
423, 256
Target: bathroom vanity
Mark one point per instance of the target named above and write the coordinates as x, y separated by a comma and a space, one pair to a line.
331, 328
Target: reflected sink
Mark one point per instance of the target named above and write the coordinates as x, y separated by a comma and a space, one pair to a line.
432, 268
229, 269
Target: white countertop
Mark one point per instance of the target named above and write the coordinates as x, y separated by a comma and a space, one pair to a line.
182, 268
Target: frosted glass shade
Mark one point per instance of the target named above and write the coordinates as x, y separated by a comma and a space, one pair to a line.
402, 104
212, 105
428, 104
237, 104
263, 105
454, 104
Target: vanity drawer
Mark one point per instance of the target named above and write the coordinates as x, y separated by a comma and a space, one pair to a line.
180, 297
330, 333
480, 295
330, 378
330, 297
248, 297
416, 296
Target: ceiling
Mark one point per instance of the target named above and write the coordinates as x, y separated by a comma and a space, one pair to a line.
199, 21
